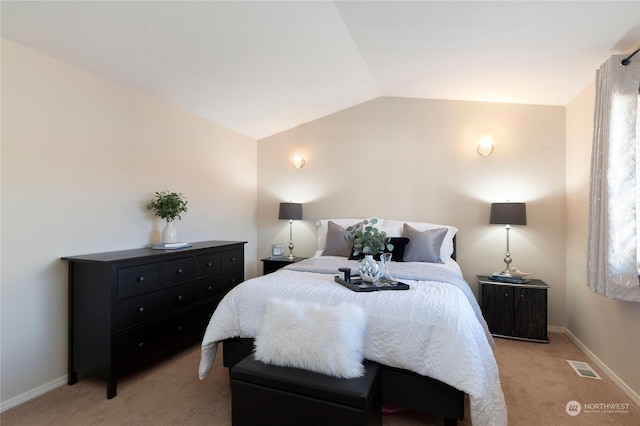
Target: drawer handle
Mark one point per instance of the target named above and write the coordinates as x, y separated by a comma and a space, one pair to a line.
233, 259
180, 297
209, 288
506, 295
140, 279
233, 280
179, 271
141, 345
209, 263
141, 309
179, 328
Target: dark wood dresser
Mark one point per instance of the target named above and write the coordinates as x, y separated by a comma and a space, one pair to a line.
129, 308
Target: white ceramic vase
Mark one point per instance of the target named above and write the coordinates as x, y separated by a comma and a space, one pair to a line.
169, 233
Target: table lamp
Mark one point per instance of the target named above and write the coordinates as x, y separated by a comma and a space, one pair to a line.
508, 214
290, 211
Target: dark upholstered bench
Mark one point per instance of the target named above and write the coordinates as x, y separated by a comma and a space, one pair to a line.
263, 394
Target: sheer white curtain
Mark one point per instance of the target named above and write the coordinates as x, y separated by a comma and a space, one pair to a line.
613, 216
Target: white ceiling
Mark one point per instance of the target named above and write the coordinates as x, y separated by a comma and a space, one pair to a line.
261, 67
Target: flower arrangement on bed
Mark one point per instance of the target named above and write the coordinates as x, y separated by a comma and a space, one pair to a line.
431, 341
368, 240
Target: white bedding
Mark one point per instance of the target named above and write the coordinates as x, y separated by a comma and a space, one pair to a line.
432, 329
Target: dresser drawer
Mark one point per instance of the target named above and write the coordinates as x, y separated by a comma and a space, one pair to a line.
231, 259
203, 315
176, 272
144, 308
137, 345
149, 341
138, 280
207, 264
217, 285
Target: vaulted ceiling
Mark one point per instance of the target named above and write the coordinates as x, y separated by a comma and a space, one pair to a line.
261, 67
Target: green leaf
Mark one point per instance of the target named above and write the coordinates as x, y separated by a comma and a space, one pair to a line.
168, 205
367, 238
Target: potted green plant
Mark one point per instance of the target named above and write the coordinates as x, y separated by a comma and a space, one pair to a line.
168, 206
369, 240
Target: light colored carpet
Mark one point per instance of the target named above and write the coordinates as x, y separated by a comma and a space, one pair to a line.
536, 380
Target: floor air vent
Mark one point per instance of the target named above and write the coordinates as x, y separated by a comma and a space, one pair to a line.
583, 369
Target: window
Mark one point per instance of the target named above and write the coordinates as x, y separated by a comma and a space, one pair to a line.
614, 205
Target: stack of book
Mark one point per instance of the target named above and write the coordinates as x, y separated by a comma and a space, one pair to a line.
170, 246
496, 276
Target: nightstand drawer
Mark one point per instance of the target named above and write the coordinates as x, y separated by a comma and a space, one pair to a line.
138, 280
144, 308
175, 272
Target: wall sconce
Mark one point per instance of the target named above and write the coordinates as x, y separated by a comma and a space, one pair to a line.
485, 146
298, 161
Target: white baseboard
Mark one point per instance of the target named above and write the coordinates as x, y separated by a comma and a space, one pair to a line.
33, 393
606, 370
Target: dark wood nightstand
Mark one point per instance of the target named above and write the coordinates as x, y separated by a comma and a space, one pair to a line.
515, 311
272, 264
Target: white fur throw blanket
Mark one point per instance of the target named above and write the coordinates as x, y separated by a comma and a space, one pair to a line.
327, 339
431, 329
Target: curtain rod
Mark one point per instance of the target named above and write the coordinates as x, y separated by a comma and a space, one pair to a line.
626, 60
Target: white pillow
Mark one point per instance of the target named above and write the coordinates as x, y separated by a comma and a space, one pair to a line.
446, 250
323, 228
327, 339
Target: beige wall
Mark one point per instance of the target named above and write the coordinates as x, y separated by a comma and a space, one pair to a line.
416, 159
609, 329
80, 157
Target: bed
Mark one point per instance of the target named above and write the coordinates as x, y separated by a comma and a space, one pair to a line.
431, 340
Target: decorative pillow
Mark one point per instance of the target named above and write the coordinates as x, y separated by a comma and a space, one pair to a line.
323, 228
327, 339
337, 244
424, 245
446, 250
397, 254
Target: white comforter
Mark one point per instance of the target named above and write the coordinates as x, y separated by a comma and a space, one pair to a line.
432, 329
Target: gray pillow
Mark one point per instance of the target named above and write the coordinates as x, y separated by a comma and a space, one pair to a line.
337, 244
424, 246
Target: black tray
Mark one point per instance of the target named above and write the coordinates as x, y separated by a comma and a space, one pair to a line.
355, 286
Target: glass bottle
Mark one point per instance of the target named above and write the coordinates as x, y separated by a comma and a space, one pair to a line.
385, 279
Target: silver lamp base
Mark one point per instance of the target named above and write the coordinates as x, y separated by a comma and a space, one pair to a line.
291, 256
